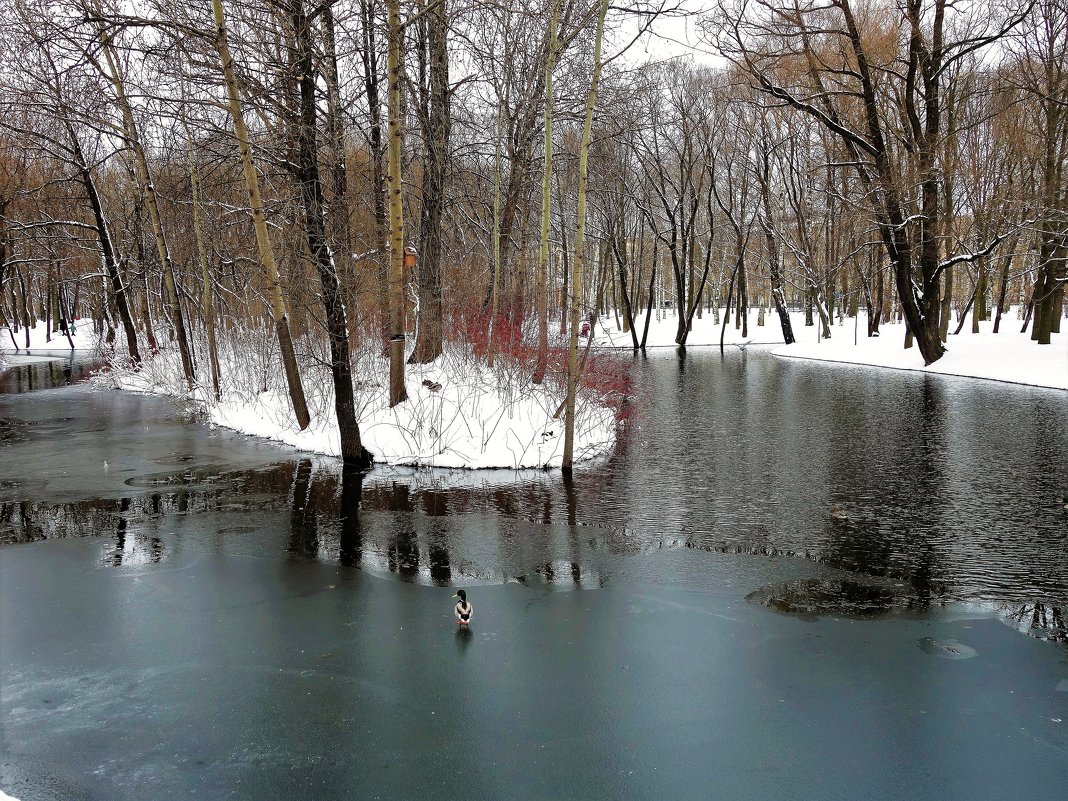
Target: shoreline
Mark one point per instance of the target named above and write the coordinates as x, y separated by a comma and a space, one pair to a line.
843, 362
1013, 382
23, 357
1009, 357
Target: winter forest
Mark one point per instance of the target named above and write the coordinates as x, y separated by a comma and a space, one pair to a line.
322, 198
533, 399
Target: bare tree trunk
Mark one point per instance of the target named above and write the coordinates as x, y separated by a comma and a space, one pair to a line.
47, 304
311, 190
148, 190
107, 251
1006, 264
651, 299
618, 240
945, 311
207, 299
743, 301
259, 219
495, 274
3, 263
566, 266
730, 298
767, 223
142, 264
580, 243
397, 391
372, 83
27, 319
338, 158
146, 311
546, 200
979, 312
438, 123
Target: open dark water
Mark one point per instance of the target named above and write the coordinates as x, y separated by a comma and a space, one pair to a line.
955, 489
798, 575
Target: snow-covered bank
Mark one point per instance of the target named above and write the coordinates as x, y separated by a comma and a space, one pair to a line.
459, 412
14, 351
1006, 356
705, 331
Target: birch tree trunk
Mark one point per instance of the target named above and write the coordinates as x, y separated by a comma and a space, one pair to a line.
259, 219
397, 391
580, 242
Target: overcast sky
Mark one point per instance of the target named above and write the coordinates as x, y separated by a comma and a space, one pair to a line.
672, 36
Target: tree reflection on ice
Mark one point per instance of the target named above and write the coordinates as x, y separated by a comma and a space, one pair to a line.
812, 598
1040, 620
131, 548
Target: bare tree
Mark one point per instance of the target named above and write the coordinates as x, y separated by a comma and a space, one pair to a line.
579, 253
311, 193
433, 112
259, 219
832, 62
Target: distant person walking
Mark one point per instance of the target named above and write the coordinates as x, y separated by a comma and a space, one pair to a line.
463, 609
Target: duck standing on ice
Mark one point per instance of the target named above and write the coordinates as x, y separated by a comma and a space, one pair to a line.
463, 609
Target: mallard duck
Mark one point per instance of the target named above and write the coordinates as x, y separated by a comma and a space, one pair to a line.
464, 610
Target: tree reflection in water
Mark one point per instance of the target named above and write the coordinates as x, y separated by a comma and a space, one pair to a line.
418, 526
303, 529
350, 536
44, 375
33, 521
1040, 620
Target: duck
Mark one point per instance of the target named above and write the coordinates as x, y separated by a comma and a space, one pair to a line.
464, 610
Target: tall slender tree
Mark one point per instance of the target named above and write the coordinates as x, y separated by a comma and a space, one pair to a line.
259, 219
311, 194
578, 259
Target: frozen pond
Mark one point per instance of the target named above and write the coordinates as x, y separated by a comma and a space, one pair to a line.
188, 613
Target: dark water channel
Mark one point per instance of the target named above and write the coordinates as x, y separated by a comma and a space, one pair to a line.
62, 369
189, 613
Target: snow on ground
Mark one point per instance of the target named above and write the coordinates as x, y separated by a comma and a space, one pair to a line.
705, 331
1005, 356
462, 413
459, 412
13, 349
471, 420
5, 797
